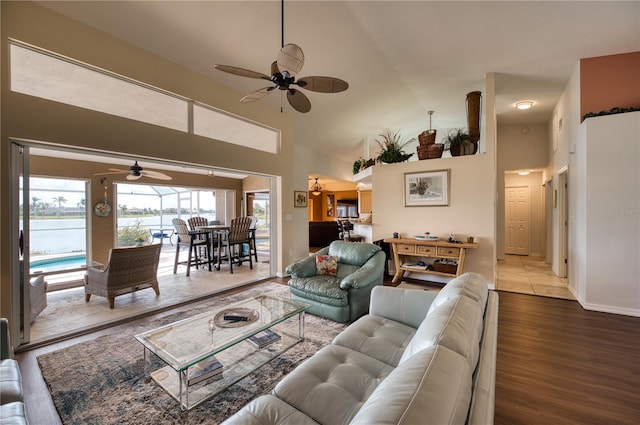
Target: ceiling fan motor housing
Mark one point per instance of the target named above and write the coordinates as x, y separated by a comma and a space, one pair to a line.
135, 169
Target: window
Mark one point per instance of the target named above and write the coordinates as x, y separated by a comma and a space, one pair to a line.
49, 76
209, 122
53, 78
57, 214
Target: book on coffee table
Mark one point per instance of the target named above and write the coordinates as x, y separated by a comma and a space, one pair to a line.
242, 315
204, 370
264, 338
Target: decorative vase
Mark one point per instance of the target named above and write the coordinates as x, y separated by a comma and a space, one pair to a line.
473, 115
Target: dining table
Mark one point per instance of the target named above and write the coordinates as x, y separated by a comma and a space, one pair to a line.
213, 238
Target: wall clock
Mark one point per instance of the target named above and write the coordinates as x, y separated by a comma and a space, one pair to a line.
103, 209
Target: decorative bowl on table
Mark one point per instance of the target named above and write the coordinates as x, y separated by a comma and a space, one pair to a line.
421, 237
432, 238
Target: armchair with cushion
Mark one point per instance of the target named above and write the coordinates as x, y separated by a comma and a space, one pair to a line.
342, 297
37, 295
129, 269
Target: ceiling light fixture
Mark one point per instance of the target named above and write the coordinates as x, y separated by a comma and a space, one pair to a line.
523, 172
524, 104
315, 188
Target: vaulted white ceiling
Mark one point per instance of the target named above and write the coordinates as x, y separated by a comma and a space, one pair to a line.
401, 58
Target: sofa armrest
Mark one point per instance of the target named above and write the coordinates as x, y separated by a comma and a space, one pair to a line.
6, 350
407, 306
305, 267
370, 272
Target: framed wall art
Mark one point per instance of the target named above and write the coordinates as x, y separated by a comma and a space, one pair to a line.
427, 189
299, 198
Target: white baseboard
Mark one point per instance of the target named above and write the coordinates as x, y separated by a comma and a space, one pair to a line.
605, 308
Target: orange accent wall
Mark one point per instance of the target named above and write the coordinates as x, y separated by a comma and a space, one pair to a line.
609, 81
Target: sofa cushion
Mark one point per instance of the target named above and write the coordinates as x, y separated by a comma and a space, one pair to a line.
332, 385
457, 324
432, 387
269, 410
380, 338
13, 414
10, 381
354, 253
470, 285
321, 288
327, 264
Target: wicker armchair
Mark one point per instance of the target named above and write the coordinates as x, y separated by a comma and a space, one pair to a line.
129, 269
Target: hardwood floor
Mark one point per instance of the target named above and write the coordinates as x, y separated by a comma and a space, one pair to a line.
560, 364
557, 364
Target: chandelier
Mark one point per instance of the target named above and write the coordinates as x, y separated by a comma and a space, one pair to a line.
315, 188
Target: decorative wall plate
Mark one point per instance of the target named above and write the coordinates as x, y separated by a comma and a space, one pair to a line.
102, 209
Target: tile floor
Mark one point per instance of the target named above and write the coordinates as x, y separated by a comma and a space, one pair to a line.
530, 275
67, 312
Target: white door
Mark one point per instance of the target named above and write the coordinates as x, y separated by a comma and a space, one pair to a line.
517, 220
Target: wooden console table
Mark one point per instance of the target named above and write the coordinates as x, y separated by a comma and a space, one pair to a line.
405, 249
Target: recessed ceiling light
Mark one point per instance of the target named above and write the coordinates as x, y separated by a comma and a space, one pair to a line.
524, 104
523, 172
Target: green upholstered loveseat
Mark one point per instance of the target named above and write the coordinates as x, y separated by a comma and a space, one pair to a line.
344, 297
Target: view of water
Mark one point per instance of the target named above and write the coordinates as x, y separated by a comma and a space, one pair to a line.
55, 236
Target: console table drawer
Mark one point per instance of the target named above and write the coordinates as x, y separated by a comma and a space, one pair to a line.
406, 249
448, 252
426, 250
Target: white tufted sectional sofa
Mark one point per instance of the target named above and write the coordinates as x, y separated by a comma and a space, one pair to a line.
418, 357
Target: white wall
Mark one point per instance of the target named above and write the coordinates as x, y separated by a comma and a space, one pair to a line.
602, 155
470, 211
564, 128
472, 199
612, 226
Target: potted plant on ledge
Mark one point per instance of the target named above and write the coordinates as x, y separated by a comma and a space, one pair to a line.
459, 142
391, 148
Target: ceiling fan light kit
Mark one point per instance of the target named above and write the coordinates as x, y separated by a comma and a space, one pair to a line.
284, 70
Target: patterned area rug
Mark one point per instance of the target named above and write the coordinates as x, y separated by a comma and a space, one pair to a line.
103, 381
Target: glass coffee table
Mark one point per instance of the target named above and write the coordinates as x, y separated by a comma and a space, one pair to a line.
204, 354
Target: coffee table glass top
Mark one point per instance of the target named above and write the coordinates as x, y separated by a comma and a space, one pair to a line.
189, 341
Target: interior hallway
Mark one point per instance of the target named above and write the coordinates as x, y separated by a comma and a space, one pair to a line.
530, 275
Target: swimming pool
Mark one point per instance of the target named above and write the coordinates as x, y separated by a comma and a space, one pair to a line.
54, 264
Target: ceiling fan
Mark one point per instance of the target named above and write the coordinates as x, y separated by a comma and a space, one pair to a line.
283, 76
135, 172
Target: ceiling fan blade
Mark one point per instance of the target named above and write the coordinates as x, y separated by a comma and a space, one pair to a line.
323, 84
290, 59
241, 72
258, 94
298, 100
111, 172
155, 175
132, 177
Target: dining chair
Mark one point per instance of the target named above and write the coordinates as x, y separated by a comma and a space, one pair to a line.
193, 239
231, 242
252, 236
194, 224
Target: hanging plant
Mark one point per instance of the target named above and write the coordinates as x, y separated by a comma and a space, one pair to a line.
391, 148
